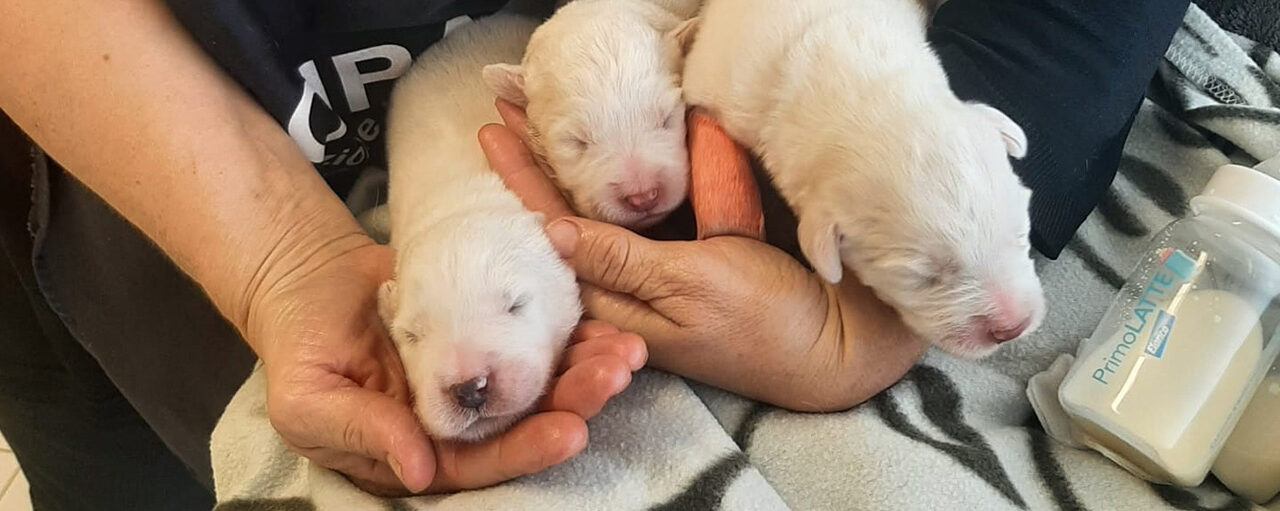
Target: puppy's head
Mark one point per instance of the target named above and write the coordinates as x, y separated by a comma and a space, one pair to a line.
480, 311
600, 84
939, 229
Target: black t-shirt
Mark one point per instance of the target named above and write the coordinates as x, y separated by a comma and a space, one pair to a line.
324, 68
1071, 72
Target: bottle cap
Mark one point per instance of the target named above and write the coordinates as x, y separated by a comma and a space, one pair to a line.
1246, 192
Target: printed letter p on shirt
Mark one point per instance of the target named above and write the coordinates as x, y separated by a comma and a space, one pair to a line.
353, 83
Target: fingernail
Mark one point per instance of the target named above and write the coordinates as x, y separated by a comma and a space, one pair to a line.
638, 360
395, 467
564, 236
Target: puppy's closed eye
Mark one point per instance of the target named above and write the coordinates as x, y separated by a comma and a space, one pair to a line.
576, 143
518, 305
928, 280
918, 280
921, 271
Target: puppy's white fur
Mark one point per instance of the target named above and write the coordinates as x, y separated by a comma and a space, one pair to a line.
600, 82
479, 291
886, 169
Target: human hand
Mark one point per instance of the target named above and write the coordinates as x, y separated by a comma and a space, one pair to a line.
337, 393
730, 310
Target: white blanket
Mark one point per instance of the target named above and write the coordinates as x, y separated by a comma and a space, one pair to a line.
951, 435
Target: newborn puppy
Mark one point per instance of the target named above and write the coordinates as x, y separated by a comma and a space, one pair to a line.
886, 169
481, 305
600, 82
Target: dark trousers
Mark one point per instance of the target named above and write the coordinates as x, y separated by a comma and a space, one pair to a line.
81, 443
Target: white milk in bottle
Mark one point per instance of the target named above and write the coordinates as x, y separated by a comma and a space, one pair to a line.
1249, 462
1164, 378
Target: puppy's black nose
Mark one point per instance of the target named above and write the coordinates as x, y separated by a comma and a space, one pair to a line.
471, 393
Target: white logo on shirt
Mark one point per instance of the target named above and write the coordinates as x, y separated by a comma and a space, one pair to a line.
353, 83
354, 88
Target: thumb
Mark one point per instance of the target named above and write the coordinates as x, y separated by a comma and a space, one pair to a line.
375, 426
610, 257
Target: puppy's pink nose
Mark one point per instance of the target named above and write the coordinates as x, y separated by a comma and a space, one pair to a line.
642, 201
1009, 334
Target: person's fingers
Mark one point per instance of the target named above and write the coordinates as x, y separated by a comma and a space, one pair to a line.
587, 386
536, 443
366, 473
380, 489
364, 423
591, 329
722, 189
514, 117
630, 314
612, 257
628, 347
513, 162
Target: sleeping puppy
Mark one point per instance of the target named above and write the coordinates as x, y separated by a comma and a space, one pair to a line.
600, 82
887, 170
481, 305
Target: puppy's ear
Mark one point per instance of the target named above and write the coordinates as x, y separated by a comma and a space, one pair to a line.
507, 82
820, 243
388, 302
1015, 141
684, 33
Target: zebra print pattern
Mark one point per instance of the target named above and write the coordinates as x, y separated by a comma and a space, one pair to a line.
950, 435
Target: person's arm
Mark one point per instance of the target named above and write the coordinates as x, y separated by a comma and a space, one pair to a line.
123, 98
1072, 73
130, 105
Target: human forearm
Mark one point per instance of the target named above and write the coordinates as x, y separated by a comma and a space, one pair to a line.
149, 123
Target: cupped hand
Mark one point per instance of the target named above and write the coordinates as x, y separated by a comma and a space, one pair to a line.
728, 310
337, 394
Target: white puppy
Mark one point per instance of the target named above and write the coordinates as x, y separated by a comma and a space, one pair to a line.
600, 83
481, 305
886, 169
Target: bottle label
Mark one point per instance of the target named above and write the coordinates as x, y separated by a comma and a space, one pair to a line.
1159, 334
1148, 315
1179, 263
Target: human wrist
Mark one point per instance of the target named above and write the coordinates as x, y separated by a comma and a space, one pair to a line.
875, 348
300, 233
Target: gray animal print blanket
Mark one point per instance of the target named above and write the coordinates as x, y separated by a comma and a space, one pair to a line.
950, 435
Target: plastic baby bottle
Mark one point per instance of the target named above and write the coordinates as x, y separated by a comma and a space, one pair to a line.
1249, 462
1165, 376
